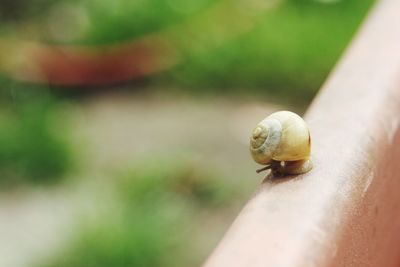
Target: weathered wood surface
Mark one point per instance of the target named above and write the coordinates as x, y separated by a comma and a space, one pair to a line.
346, 211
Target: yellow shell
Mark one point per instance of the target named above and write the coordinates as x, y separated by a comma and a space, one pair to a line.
281, 137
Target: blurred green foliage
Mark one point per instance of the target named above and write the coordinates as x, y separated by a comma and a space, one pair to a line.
287, 53
115, 21
13, 10
30, 149
153, 220
174, 180
99, 21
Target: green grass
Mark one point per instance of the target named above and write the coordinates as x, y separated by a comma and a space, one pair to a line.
153, 220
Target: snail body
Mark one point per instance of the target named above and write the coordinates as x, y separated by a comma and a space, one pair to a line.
282, 142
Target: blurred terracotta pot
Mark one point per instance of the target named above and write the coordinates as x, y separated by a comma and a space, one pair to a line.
79, 65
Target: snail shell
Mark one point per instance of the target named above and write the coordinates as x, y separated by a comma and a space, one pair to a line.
282, 141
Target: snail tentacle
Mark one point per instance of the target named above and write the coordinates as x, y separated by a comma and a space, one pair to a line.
264, 168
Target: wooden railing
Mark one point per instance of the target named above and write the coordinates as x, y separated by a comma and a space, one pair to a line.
346, 211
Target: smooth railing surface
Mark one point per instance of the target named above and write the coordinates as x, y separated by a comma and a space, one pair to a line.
346, 211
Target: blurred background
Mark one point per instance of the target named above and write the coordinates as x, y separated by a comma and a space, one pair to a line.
124, 123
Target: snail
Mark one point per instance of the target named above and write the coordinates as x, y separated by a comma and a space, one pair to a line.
282, 142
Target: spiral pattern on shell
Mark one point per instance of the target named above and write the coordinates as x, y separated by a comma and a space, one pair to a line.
282, 136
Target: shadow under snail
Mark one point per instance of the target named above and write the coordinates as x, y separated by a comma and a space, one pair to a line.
282, 142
